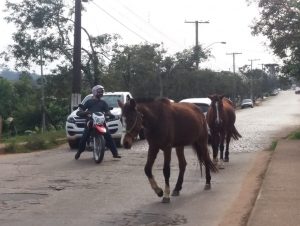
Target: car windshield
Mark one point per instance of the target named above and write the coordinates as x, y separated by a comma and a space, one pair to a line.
111, 100
203, 107
246, 100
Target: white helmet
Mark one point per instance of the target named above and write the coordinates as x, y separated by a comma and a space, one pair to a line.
96, 88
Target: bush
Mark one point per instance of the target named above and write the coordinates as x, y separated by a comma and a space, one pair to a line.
34, 142
295, 135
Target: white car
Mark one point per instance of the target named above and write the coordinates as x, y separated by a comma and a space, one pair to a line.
75, 124
202, 103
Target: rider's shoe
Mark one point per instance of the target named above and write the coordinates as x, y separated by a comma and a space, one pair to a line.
77, 156
117, 156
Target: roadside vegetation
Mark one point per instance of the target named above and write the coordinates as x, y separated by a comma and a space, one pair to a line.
34, 142
295, 135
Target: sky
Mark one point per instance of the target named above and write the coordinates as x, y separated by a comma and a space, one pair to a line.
164, 21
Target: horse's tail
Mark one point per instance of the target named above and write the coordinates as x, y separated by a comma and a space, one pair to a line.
211, 165
204, 158
235, 134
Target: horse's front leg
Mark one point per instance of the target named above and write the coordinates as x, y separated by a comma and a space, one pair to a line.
182, 166
215, 146
152, 153
167, 172
222, 138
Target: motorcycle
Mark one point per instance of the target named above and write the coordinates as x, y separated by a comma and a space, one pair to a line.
96, 141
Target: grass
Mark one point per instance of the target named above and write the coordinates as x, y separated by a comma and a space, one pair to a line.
273, 145
34, 142
295, 135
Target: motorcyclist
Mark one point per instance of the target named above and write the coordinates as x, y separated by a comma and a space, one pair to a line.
96, 104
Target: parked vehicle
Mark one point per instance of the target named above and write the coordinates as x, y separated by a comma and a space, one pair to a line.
247, 103
274, 92
202, 103
297, 90
75, 124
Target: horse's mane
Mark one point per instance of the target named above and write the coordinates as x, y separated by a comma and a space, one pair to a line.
229, 102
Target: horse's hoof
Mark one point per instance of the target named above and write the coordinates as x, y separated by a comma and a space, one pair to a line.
207, 187
165, 200
215, 162
159, 192
175, 193
221, 166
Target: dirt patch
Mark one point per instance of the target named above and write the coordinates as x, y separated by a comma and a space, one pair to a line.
241, 209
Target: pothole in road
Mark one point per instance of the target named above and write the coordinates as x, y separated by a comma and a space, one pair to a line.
148, 219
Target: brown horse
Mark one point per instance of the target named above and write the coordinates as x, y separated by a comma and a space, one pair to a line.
168, 125
220, 119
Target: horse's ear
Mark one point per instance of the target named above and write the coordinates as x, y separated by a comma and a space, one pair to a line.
132, 103
222, 96
121, 105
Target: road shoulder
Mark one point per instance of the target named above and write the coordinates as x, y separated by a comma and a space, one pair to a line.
240, 210
278, 201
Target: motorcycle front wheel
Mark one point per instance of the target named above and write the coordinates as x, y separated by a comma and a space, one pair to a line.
99, 148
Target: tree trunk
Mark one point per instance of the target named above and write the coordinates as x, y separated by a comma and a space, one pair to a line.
1, 127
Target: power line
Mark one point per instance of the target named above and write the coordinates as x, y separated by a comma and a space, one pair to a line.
151, 25
120, 22
116, 8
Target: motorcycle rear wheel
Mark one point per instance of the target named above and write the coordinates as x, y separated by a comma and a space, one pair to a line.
99, 148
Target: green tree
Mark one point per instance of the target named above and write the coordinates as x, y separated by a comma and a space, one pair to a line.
27, 107
46, 27
7, 98
279, 22
137, 68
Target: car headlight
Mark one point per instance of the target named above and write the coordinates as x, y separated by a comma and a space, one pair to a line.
71, 120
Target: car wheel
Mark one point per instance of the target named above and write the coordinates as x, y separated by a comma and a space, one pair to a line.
118, 142
74, 144
142, 134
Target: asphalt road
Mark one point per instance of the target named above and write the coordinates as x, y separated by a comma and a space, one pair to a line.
51, 188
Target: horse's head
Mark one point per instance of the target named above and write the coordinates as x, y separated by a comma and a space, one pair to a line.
217, 107
132, 119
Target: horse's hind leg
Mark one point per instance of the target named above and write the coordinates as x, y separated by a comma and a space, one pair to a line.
152, 153
166, 170
182, 166
228, 137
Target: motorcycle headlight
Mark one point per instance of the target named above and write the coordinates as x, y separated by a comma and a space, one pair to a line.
117, 117
71, 120
99, 120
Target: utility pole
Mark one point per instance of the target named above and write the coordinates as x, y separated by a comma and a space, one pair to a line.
262, 66
251, 81
233, 69
76, 84
197, 45
43, 91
